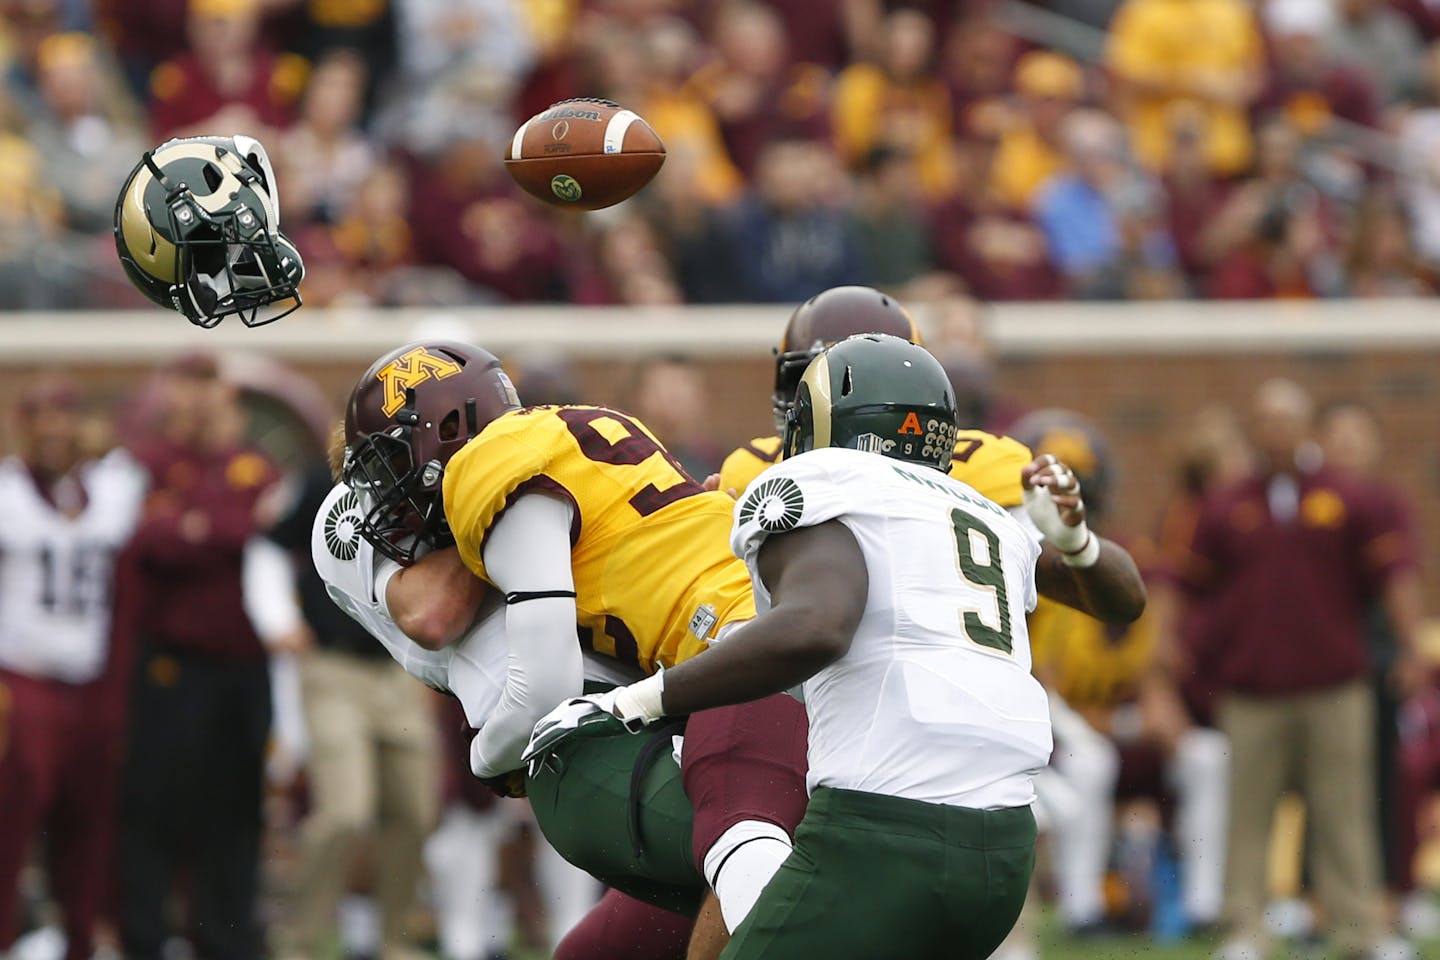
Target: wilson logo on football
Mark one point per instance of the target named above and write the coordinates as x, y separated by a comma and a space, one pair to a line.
410, 370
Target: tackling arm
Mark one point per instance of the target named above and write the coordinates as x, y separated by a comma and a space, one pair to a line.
818, 583
435, 600
527, 556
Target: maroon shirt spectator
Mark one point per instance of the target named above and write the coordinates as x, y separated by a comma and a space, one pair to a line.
1306, 83
758, 89
1293, 592
227, 80
824, 32
467, 214
1000, 255
205, 484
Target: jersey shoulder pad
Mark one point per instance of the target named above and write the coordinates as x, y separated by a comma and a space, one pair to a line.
336, 547
991, 464
748, 461
482, 477
800, 492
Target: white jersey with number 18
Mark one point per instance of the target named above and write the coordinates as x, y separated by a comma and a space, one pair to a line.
934, 700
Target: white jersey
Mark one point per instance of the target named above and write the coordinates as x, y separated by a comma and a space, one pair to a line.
934, 700
473, 668
56, 571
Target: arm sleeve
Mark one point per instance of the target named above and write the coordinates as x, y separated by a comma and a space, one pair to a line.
267, 580
528, 550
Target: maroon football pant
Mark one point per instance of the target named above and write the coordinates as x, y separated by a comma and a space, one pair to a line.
623, 928
58, 777
745, 762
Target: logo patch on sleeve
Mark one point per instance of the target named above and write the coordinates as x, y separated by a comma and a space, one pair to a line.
776, 505
342, 528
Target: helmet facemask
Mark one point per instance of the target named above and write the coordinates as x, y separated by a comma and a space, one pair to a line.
404, 501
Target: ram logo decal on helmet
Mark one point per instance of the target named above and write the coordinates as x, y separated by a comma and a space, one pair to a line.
197, 230
409, 370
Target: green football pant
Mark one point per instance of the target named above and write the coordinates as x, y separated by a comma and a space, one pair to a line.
874, 877
613, 805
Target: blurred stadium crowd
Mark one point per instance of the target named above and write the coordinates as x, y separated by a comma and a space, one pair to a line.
1289, 148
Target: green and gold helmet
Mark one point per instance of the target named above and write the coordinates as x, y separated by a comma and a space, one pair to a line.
877, 393
197, 227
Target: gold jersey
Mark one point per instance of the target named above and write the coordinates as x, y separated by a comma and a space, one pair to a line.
989, 463
1093, 665
654, 576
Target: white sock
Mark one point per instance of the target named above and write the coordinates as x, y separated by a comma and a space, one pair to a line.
1200, 775
741, 862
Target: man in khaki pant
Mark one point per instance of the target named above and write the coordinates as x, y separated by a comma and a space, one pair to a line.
1285, 564
373, 762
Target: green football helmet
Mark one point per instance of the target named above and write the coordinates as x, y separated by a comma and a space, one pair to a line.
877, 393
197, 228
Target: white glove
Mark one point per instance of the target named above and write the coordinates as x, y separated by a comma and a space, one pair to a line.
1080, 547
595, 710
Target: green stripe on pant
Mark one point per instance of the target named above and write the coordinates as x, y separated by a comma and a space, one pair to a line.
875, 877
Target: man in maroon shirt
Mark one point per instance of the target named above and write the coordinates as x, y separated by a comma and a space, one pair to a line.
1289, 561
201, 713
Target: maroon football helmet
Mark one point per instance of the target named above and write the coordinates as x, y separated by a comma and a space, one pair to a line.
826, 319
407, 416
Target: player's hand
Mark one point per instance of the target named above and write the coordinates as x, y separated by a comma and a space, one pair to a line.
1054, 502
712, 483
591, 715
508, 785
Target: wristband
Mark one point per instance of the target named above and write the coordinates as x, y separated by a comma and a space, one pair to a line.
1086, 556
640, 703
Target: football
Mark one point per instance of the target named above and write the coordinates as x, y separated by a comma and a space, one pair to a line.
584, 154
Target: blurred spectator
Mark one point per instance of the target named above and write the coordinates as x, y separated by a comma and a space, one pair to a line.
227, 80
1115, 681
998, 252
670, 398
1275, 235
888, 222
788, 238
1164, 52
1382, 260
88, 148
372, 752
67, 520
830, 33
1193, 193
1289, 561
361, 258
1307, 83
694, 236
634, 268
323, 158
456, 57
757, 91
466, 214
899, 101
1419, 150
646, 72
1373, 35
33, 271
192, 793
1351, 443
1047, 86
1099, 219
977, 64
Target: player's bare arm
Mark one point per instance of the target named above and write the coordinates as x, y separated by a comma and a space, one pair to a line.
436, 599
1077, 567
818, 583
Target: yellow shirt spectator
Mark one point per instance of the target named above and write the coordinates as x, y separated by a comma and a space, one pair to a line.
871, 110
1047, 85
1205, 51
686, 123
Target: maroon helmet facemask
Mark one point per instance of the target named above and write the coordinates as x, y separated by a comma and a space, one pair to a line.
408, 415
